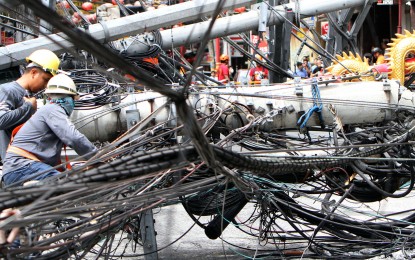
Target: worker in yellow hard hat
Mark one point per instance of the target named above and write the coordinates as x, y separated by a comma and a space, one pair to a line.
17, 103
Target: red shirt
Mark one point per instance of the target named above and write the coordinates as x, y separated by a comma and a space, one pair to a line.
258, 73
223, 72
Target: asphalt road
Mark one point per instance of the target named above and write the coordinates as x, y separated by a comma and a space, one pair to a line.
178, 237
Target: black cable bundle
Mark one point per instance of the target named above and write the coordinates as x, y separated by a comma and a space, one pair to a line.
95, 89
210, 202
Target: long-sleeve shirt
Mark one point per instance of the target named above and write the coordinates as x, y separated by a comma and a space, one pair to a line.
13, 112
43, 135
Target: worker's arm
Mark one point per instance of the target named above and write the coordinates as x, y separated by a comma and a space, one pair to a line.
60, 124
10, 115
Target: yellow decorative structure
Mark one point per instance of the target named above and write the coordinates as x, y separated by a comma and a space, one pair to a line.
399, 50
350, 64
400, 57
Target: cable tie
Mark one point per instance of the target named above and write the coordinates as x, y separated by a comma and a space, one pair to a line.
106, 32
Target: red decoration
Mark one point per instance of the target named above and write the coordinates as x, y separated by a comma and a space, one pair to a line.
87, 6
64, 4
324, 28
115, 2
240, 9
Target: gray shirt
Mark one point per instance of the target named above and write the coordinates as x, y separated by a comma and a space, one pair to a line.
13, 112
43, 135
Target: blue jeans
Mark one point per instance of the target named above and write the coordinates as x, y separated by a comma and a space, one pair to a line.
29, 172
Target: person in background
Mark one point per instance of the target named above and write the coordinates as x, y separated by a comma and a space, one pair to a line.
258, 72
314, 64
318, 68
213, 74
17, 103
300, 71
223, 69
369, 58
37, 146
378, 56
307, 65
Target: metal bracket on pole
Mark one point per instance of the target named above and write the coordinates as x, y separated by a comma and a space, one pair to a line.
148, 235
147, 232
263, 16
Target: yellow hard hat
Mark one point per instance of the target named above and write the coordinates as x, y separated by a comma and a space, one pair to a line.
61, 84
46, 60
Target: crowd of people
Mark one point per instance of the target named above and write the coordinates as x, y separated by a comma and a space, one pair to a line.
306, 70
224, 73
303, 69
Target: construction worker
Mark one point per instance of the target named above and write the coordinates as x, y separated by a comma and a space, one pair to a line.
17, 103
37, 146
223, 69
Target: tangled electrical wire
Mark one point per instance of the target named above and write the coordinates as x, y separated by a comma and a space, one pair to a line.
96, 89
216, 159
310, 206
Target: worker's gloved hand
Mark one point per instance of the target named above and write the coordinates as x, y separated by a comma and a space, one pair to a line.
32, 100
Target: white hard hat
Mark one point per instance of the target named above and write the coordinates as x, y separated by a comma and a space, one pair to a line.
61, 84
